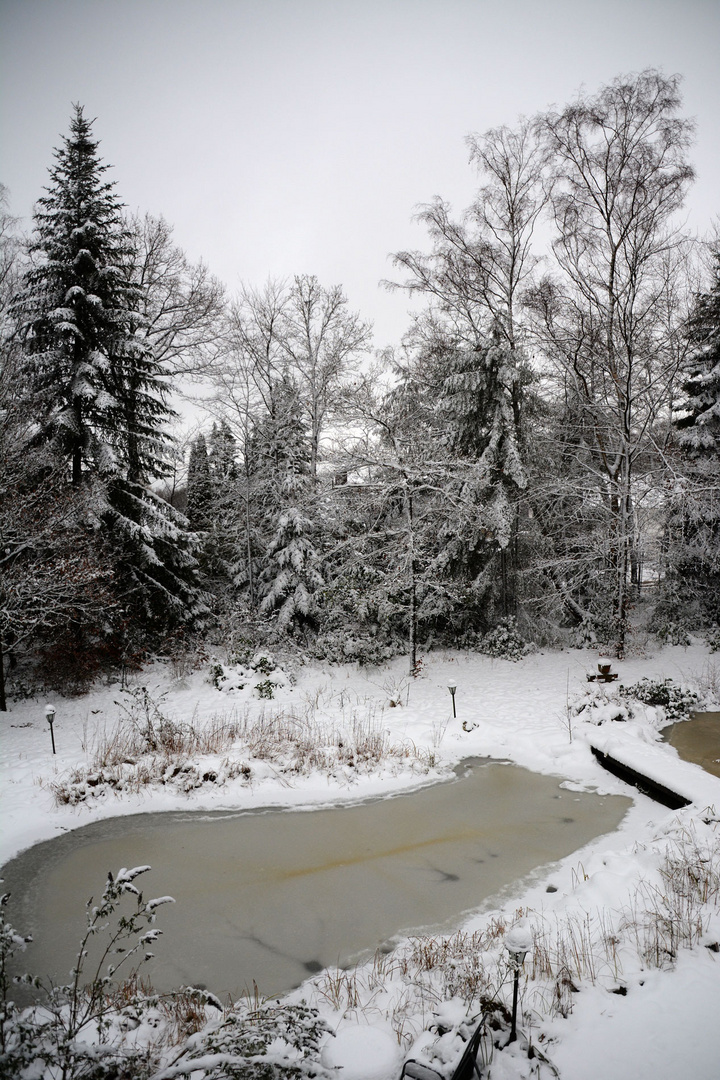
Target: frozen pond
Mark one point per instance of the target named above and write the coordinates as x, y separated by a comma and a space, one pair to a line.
697, 740
273, 896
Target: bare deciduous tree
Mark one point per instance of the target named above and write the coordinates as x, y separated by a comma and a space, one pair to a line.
323, 342
620, 174
183, 305
479, 265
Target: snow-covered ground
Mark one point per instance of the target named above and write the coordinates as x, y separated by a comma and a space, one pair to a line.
660, 1024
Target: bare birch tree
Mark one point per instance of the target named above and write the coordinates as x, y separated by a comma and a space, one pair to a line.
620, 175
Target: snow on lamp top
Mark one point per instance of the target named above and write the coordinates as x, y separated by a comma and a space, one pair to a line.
519, 940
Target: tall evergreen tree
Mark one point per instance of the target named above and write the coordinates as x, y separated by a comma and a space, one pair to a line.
279, 458
481, 396
222, 454
694, 577
97, 387
199, 485
92, 382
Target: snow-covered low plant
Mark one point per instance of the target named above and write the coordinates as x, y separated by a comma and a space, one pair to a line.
234, 746
87, 1030
597, 704
672, 632
265, 689
261, 673
69, 1034
216, 674
504, 641
273, 1042
144, 713
676, 701
263, 663
342, 646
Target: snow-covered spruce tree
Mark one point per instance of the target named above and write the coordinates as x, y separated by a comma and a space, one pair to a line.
52, 577
214, 510
199, 485
693, 579
382, 575
471, 344
279, 464
94, 387
222, 454
227, 526
481, 396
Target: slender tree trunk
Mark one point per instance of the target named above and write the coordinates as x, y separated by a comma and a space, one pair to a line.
248, 543
77, 449
622, 558
413, 581
3, 702
77, 467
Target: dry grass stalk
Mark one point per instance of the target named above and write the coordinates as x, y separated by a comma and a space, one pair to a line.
146, 747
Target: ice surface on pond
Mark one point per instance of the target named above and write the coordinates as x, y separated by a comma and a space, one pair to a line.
697, 740
275, 896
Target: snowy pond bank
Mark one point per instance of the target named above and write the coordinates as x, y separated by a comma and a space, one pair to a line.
268, 898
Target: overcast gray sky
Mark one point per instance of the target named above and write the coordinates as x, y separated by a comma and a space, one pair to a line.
298, 136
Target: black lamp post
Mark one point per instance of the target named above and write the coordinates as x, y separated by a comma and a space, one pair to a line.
518, 945
50, 716
452, 688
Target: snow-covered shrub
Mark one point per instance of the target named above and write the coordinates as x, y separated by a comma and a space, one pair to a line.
216, 674
599, 704
397, 691
19, 688
676, 701
73, 1031
504, 641
672, 632
236, 676
712, 637
274, 1042
263, 663
344, 646
583, 636
265, 689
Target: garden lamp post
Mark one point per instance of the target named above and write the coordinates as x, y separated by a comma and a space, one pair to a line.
50, 716
518, 944
452, 688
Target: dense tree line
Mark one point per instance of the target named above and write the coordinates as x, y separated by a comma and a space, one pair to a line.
542, 443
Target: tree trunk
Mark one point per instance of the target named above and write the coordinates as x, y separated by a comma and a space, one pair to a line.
248, 543
413, 582
3, 702
504, 559
622, 558
77, 467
